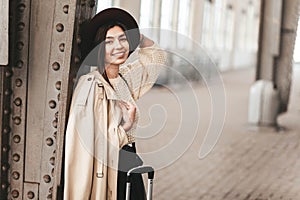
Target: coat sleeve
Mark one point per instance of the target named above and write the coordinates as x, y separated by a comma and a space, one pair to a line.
142, 68
78, 168
79, 159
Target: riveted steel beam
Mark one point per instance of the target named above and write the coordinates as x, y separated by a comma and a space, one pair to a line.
35, 94
18, 66
83, 10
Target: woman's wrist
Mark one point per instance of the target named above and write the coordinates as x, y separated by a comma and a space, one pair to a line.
145, 42
142, 39
127, 126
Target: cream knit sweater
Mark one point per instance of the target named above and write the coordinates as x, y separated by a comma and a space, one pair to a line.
137, 77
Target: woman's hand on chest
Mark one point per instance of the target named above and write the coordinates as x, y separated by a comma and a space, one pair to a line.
128, 111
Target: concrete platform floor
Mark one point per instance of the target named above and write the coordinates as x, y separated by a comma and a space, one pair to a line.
247, 163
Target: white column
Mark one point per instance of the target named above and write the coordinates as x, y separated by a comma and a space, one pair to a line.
175, 22
196, 19
156, 19
156, 13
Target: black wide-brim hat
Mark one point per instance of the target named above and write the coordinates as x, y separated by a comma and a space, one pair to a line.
90, 28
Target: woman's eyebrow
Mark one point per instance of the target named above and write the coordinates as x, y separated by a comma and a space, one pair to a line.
122, 35
112, 37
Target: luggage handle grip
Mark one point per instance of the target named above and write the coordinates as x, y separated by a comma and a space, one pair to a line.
141, 170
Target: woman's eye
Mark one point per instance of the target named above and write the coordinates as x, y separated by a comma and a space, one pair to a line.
108, 42
123, 39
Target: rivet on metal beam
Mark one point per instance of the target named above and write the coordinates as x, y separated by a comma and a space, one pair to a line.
30, 195
18, 82
8, 73
21, 26
58, 85
54, 123
15, 193
8, 92
60, 27
17, 120
16, 175
78, 40
62, 47
52, 161
20, 64
7, 111
66, 9
17, 139
6, 130
47, 178
4, 186
49, 141
55, 66
5, 148
52, 104
56, 115
16, 157
5, 167
18, 101
20, 45
21, 7
51, 190
76, 59
92, 3
52, 172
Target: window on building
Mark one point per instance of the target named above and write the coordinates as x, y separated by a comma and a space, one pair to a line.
167, 38
242, 31
184, 17
166, 14
218, 25
206, 25
229, 28
250, 28
146, 14
183, 22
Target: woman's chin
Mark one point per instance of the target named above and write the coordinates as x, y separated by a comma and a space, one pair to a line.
119, 61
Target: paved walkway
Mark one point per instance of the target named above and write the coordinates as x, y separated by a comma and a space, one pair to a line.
248, 163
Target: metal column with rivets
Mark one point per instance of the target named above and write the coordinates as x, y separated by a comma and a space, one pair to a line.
35, 93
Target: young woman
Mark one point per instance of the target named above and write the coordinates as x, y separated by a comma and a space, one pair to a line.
103, 114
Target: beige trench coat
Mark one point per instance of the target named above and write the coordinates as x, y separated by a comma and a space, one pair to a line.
94, 134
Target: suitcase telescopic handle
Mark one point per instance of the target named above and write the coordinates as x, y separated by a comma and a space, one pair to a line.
141, 170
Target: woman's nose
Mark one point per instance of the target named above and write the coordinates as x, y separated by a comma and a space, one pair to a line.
118, 44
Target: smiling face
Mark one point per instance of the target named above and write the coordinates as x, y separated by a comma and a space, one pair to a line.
116, 46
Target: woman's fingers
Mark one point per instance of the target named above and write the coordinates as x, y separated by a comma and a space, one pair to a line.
128, 111
127, 105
